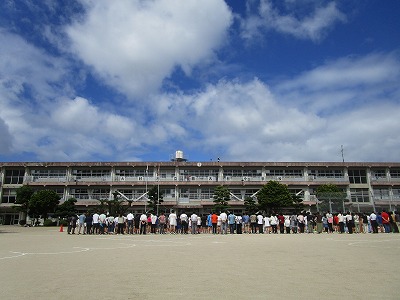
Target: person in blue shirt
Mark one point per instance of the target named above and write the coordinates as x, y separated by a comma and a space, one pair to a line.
231, 223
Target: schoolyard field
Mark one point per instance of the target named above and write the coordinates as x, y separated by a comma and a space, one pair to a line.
43, 263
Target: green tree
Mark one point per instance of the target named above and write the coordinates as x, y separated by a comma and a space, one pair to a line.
24, 194
297, 203
330, 197
250, 204
155, 197
274, 195
221, 198
66, 209
42, 203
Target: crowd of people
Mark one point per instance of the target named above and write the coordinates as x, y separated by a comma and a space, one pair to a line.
228, 222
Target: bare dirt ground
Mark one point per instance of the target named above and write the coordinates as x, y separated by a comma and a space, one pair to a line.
43, 263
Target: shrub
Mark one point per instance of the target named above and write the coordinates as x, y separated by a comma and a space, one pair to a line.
63, 222
48, 222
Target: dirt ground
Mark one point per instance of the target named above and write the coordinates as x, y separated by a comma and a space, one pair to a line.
43, 263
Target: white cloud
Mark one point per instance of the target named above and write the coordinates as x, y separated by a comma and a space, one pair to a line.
313, 26
345, 82
135, 45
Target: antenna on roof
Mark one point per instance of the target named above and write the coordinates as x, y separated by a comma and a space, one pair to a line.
342, 150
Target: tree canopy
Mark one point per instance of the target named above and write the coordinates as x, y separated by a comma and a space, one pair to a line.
67, 208
250, 204
42, 203
155, 199
24, 194
330, 197
221, 198
274, 195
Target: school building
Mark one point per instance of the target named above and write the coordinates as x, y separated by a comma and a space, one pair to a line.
190, 185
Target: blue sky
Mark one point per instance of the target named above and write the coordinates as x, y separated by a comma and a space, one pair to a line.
254, 80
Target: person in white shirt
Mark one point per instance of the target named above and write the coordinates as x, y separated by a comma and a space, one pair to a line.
193, 219
143, 223
129, 219
374, 223
172, 222
96, 223
224, 223
184, 222
267, 226
260, 223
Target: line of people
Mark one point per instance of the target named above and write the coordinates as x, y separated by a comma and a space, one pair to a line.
228, 222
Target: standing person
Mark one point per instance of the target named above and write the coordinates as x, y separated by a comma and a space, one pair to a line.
386, 221
81, 223
200, 224
267, 225
349, 222
293, 223
394, 222
253, 223
88, 221
310, 222
287, 224
172, 222
214, 222
281, 220
329, 216
224, 222
184, 222
300, 219
246, 222
193, 219
96, 223
362, 218
273, 220
325, 223
341, 220
356, 219
111, 224
162, 221
231, 223
374, 224
260, 223
102, 222
318, 220
129, 219
209, 223
219, 224
154, 220
71, 224
121, 224
136, 221
143, 223
238, 221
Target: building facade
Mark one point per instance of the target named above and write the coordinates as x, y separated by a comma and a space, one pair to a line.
190, 185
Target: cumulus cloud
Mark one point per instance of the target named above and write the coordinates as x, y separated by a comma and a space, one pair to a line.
135, 45
313, 25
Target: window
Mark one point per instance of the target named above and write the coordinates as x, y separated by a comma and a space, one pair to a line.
381, 194
100, 194
359, 195
49, 173
88, 173
14, 176
381, 173
395, 173
79, 194
9, 196
135, 172
327, 173
291, 173
357, 176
